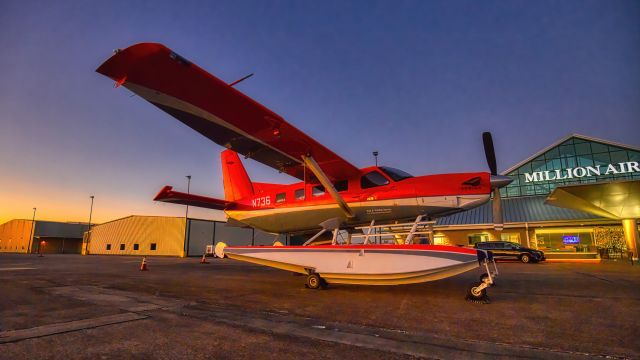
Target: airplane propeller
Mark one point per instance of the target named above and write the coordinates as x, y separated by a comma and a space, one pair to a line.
489, 152
497, 181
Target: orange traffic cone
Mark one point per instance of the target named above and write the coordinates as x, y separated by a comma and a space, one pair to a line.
204, 259
143, 264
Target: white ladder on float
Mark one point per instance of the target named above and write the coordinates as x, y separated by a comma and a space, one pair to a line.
418, 227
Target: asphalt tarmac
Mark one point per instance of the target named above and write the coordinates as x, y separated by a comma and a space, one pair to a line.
78, 307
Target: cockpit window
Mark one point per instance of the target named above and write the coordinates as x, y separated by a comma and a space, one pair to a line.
395, 174
373, 179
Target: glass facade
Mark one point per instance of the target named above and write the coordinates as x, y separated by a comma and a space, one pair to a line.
564, 240
574, 161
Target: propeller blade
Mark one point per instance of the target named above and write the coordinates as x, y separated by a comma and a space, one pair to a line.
498, 222
496, 181
489, 152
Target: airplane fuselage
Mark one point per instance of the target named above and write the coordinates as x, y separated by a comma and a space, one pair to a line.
302, 207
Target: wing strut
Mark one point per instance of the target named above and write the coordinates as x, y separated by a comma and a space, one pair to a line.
324, 180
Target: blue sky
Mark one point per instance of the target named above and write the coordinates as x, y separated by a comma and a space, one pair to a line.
418, 81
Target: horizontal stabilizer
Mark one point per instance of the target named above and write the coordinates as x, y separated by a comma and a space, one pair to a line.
168, 195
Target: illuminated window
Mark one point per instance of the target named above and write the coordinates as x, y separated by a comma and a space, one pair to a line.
512, 237
440, 240
474, 238
281, 197
299, 194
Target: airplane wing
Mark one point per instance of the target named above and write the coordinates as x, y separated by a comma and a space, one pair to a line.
168, 195
218, 111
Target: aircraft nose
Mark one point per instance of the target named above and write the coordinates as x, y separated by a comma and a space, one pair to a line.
498, 181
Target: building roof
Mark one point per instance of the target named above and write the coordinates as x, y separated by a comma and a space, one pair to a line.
516, 210
615, 200
571, 136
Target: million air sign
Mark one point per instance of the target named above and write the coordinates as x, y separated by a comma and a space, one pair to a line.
580, 172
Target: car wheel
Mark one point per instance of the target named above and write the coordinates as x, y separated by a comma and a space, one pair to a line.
525, 258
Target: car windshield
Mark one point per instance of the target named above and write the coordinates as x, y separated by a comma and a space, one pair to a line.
395, 174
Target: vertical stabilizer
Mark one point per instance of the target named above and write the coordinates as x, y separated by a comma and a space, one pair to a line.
237, 184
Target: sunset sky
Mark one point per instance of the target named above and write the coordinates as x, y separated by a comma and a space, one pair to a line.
416, 80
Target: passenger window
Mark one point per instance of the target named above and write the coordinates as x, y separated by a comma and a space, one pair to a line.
317, 190
373, 179
153, 246
121, 246
136, 246
280, 198
108, 246
341, 185
299, 194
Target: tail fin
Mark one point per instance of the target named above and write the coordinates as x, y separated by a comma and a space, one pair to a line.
237, 184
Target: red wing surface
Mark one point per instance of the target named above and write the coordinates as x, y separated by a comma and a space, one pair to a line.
218, 111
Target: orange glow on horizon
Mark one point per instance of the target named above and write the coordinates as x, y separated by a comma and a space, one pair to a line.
55, 204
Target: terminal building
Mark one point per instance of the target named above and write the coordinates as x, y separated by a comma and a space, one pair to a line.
26, 236
581, 231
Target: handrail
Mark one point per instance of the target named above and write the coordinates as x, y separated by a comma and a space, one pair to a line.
421, 223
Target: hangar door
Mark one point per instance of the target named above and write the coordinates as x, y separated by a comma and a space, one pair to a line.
200, 234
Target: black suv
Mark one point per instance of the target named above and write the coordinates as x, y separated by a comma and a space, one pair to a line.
506, 250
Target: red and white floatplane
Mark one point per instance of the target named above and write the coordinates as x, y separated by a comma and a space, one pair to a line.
371, 263
331, 194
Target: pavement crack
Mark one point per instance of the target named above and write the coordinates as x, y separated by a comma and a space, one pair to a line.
391, 340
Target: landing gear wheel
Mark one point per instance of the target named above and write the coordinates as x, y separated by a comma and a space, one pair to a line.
313, 281
476, 294
486, 276
525, 258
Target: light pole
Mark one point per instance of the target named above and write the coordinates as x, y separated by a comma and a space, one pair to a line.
33, 223
375, 154
186, 218
89, 230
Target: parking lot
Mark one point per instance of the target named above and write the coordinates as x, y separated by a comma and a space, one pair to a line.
71, 306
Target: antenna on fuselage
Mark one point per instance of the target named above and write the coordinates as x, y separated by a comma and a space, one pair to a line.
240, 80
375, 155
